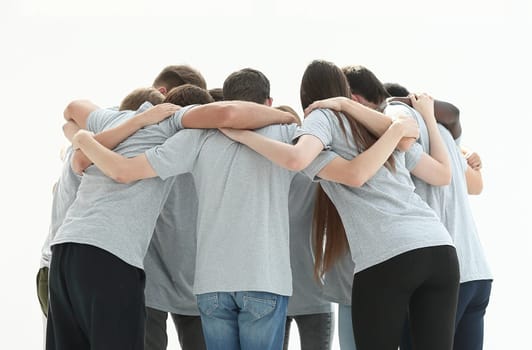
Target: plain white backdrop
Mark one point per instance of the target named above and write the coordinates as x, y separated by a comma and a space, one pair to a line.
474, 54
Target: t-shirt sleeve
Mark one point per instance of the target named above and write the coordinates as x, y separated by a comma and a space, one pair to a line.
321, 161
99, 120
413, 155
177, 155
316, 124
177, 118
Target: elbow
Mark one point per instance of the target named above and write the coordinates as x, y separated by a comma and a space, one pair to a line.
68, 112
122, 174
122, 178
227, 115
357, 179
294, 164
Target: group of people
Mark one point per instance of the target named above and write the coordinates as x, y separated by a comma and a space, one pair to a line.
236, 218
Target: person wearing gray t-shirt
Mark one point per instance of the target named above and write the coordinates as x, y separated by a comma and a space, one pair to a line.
451, 204
251, 224
404, 257
96, 277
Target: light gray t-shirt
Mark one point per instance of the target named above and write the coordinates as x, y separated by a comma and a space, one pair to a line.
338, 281
119, 218
307, 293
242, 227
64, 193
171, 257
384, 217
451, 204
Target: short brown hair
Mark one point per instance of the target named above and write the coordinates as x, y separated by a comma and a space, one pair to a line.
176, 75
137, 97
188, 94
247, 85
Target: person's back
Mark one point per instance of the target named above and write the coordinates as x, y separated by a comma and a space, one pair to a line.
243, 212
451, 204
128, 211
242, 230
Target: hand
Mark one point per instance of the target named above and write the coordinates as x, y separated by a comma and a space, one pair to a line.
473, 160
157, 113
424, 104
405, 143
233, 134
408, 125
82, 133
334, 103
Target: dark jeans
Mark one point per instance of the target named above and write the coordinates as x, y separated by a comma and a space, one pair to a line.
423, 282
96, 301
473, 299
315, 331
188, 329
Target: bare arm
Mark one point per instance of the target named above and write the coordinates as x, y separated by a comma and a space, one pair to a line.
376, 122
292, 157
78, 111
352, 173
473, 174
235, 115
112, 137
474, 181
446, 114
116, 166
359, 170
70, 128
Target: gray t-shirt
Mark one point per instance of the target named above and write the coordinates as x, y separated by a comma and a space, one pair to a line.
384, 217
451, 204
307, 293
338, 281
171, 257
64, 193
119, 218
242, 227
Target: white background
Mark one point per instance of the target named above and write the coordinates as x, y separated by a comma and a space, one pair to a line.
472, 53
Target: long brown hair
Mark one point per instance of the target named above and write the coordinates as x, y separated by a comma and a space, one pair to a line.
321, 80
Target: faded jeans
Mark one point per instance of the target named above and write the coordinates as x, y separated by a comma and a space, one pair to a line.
243, 320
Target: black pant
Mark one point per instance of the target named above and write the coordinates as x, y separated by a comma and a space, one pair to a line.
315, 331
188, 328
96, 301
422, 283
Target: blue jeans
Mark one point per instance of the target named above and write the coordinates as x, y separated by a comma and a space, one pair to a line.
345, 328
243, 320
315, 331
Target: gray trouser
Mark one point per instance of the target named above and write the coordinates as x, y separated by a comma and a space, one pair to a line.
188, 328
315, 331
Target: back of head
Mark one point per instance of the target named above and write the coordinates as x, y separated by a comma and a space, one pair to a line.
217, 94
137, 97
188, 94
247, 85
363, 82
321, 80
176, 75
396, 90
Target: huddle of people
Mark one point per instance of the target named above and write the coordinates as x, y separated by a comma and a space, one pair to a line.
237, 218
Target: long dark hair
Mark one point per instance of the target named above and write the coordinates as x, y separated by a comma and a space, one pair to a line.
323, 80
